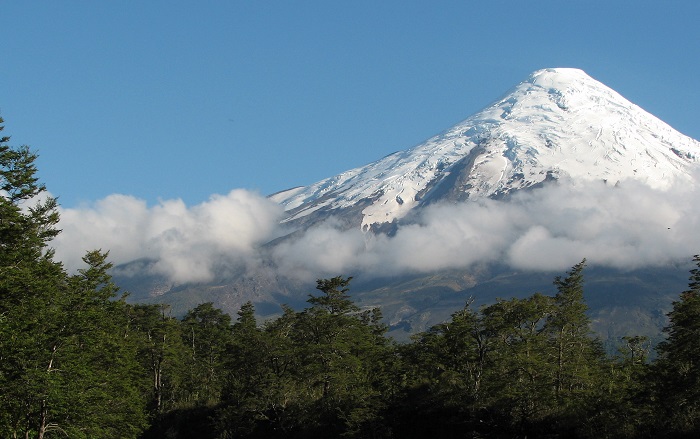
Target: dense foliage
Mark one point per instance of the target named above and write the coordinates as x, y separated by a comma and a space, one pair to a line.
67, 364
77, 361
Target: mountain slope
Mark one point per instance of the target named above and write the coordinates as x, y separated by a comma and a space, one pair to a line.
557, 124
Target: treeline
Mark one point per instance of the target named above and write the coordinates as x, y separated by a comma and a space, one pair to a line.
517, 368
78, 361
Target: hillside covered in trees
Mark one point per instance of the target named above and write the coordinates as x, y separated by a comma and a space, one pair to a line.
78, 361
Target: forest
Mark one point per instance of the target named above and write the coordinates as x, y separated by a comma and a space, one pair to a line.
78, 360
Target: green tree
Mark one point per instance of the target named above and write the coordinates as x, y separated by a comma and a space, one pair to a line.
623, 409
61, 355
677, 370
342, 357
158, 339
28, 277
253, 397
447, 366
519, 367
579, 364
281, 395
101, 392
575, 353
248, 361
206, 333
520, 385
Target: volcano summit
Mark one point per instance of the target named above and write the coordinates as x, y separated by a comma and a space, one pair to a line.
558, 124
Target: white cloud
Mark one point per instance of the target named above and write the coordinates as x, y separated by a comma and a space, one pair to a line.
324, 250
550, 228
187, 243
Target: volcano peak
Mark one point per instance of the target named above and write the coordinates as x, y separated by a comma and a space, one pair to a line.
558, 123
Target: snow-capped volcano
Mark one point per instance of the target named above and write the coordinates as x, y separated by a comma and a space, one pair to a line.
557, 124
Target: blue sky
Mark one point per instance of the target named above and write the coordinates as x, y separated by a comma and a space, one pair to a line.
182, 99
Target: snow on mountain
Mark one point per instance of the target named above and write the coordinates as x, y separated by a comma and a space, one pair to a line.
557, 124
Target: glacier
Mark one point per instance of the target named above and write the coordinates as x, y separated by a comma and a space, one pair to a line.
557, 124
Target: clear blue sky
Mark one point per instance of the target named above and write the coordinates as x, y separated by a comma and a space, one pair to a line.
184, 99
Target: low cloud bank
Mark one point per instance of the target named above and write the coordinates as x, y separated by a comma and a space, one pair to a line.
552, 228
187, 243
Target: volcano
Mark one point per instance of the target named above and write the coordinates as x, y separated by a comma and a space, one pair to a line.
559, 128
557, 124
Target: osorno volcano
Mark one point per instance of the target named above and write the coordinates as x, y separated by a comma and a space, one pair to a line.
557, 124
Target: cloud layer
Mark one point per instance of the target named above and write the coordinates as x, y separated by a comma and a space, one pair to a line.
552, 228
187, 243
